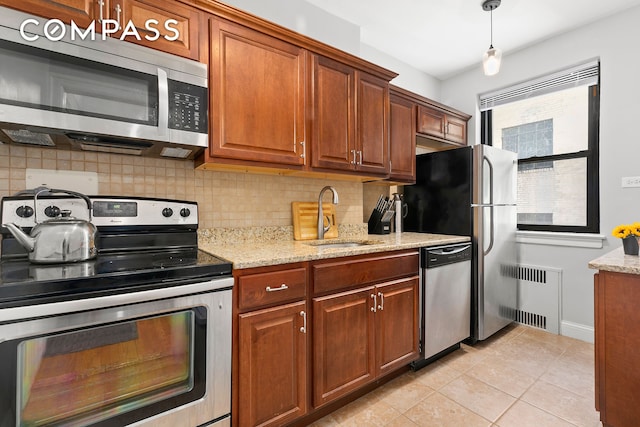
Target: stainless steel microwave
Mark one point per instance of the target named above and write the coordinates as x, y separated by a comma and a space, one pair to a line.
98, 94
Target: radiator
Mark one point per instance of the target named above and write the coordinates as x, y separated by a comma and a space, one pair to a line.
539, 296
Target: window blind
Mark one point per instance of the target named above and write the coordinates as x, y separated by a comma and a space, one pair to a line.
585, 74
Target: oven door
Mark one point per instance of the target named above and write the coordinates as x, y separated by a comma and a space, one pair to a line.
163, 362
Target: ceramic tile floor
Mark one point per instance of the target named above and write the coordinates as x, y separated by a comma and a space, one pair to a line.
520, 377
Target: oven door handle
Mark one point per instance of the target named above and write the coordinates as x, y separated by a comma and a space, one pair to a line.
13, 314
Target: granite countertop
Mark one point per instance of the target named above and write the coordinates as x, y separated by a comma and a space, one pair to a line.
618, 262
250, 254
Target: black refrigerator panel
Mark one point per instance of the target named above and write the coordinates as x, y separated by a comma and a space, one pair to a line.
440, 200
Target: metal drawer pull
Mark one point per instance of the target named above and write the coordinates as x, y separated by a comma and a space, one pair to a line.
375, 302
381, 306
303, 329
282, 287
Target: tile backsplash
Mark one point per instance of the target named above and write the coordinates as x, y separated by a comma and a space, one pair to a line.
226, 199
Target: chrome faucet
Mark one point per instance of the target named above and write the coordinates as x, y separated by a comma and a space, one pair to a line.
321, 228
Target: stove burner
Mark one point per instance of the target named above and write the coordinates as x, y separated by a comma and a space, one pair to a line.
138, 248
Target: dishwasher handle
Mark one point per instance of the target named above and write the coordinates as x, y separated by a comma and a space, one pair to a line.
448, 251
445, 255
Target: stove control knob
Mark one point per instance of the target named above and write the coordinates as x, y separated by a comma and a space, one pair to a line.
185, 212
24, 211
52, 211
167, 212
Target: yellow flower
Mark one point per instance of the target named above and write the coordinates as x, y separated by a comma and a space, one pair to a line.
622, 231
635, 228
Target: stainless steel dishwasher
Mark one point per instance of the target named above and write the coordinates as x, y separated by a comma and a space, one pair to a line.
445, 300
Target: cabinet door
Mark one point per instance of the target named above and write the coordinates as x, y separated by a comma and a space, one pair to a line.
333, 145
617, 336
402, 139
82, 12
343, 344
258, 96
372, 121
140, 11
598, 295
456, 130
396, 324
272, 365
431, 122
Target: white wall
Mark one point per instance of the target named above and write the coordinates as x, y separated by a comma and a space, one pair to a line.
307, 19
614, 40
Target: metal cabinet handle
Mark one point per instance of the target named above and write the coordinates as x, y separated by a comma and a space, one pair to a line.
353, 162
375, 302
101, 3
381, 306
360, 154
282, 287
303, 329
118, 13
304, 150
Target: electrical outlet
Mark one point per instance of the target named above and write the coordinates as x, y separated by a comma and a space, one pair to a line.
630, 181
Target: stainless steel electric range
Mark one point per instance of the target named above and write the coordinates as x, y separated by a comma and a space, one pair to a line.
139, 335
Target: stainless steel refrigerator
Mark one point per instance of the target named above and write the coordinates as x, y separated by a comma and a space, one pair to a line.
472, 191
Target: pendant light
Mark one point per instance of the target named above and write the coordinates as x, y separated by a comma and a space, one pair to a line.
492, 57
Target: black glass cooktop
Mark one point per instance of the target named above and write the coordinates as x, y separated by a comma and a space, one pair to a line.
23, 283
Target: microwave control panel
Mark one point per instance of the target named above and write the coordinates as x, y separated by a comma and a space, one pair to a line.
188, 107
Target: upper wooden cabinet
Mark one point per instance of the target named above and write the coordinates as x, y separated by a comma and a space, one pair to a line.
402, 139
350, 119
84, 12
257, 92
372, 124
435, 122
189, 24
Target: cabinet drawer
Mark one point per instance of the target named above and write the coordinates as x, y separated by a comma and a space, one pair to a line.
347, 272
270, 288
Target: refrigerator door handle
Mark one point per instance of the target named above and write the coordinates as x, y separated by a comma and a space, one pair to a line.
490, 178
489, 205
491, 229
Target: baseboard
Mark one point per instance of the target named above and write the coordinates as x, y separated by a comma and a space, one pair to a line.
577, 331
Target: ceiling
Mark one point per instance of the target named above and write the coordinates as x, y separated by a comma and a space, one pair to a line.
443, 38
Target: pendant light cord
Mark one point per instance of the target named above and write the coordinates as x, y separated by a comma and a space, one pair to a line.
491, 41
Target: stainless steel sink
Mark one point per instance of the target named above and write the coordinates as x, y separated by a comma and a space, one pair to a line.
343, 244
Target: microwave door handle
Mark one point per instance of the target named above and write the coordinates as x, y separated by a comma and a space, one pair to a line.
163, 102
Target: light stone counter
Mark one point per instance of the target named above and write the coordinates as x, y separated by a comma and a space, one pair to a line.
618, 262
259, 253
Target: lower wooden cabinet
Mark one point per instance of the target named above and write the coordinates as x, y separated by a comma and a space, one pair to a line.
273, 365
397, 320
343, 345
362, 334
617, 334
309, 333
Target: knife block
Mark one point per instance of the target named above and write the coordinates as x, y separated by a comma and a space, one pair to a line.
377, 225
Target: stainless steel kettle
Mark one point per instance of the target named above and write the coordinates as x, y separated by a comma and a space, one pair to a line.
60, 239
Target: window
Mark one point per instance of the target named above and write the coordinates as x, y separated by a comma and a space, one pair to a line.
552, 124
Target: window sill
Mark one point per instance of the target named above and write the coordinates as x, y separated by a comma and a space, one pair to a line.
576, 240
